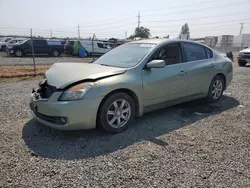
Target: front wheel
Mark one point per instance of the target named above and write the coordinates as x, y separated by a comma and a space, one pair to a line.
4, 48
242, 63
18, 53
116, 113
216, 89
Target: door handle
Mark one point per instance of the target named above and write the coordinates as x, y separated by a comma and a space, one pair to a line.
182, 73
211, 65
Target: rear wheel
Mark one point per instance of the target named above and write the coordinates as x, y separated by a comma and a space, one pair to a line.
242, 63
216, 89
55, 53
116, 113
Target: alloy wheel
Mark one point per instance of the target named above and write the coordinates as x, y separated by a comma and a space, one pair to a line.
217, 89
19, 53
55, 53
118, 113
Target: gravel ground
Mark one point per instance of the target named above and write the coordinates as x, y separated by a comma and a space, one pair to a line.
189, 145
45, 60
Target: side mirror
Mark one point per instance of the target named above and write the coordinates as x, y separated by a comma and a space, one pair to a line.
156, 64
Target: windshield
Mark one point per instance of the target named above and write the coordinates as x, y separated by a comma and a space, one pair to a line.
127, 55
23, 41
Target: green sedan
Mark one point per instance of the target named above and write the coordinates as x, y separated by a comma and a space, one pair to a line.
127, 82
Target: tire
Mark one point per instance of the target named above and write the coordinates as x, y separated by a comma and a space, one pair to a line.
55, 53
109, 116
216, 89
230, 56
4, 48
18, 53
242, 63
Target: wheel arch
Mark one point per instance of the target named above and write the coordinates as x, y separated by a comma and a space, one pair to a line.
224, 79
20, 50
124, 90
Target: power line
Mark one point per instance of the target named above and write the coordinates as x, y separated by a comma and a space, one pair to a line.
198, 18
201, 9
211, 23
188, 5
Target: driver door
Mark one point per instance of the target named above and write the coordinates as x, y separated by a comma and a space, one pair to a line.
161, 85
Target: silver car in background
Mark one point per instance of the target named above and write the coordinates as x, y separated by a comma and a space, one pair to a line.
128, 81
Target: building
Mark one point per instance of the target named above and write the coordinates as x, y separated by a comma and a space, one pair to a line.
241, 41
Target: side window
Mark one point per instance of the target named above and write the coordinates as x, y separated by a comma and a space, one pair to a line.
209, 53
171, 54
39, 43
28, 42
100, 45
194, 52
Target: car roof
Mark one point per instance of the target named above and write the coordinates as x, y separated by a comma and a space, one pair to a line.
149, 41
165, 41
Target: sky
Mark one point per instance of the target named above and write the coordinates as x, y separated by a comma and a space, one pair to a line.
116, 18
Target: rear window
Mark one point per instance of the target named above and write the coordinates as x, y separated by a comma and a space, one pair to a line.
194, 52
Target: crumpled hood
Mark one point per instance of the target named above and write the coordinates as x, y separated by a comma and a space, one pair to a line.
61, 75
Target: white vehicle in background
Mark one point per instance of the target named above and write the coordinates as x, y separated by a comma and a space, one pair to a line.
14, 41
96, 47
244, 57
3, 43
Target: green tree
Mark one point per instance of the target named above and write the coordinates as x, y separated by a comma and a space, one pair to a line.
141, 32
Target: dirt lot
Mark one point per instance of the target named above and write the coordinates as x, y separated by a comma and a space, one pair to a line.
189, 145
45, 60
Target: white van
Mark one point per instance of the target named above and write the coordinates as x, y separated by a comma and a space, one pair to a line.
99, 47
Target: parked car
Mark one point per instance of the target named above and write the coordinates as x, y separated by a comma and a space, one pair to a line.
97, 47
244, 57
3, 43
14, 41
128, 81
69, 47
41, 47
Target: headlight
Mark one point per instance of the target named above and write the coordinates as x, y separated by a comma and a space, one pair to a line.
76, 92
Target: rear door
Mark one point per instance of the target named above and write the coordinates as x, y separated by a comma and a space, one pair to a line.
200, 69
40, 47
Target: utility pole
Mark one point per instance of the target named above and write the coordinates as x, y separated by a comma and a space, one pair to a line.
93, 38
241, 28
78, 27
139, 19
51, 33
32, 48
126, 35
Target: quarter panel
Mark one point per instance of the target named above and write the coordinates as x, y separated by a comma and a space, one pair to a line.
131, 80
